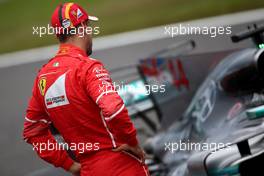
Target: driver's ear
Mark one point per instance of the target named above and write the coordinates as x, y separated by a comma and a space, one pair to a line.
80, 30
84, 24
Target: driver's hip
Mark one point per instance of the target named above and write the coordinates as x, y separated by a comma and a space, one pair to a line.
109, 163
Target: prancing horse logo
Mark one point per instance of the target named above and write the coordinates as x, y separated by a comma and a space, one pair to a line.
42, 86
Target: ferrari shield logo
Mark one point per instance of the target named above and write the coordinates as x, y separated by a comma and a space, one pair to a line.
42, 86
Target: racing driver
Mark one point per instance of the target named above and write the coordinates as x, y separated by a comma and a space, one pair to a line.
75, 93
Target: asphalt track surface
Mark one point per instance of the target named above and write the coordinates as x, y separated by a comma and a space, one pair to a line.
17, 158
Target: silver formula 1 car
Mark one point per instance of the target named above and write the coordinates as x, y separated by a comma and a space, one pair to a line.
221, 132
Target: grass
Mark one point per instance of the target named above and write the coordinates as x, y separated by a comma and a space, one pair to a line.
18, 17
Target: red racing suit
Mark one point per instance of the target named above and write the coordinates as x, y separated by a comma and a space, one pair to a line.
76, 94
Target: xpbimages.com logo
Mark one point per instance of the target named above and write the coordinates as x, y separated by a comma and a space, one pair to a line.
40, 31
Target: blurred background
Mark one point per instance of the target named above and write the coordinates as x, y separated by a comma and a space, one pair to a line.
18, 17
129, 32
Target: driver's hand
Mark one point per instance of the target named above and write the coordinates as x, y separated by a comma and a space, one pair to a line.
75, 169
135, 150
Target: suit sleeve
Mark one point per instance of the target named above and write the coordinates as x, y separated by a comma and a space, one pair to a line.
113, 111
36, 132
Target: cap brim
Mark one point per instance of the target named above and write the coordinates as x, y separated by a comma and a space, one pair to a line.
93, 18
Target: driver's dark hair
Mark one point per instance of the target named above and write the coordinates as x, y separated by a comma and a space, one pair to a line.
64, 37
66, 34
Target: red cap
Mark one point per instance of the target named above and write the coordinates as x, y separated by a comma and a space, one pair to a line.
69, 15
